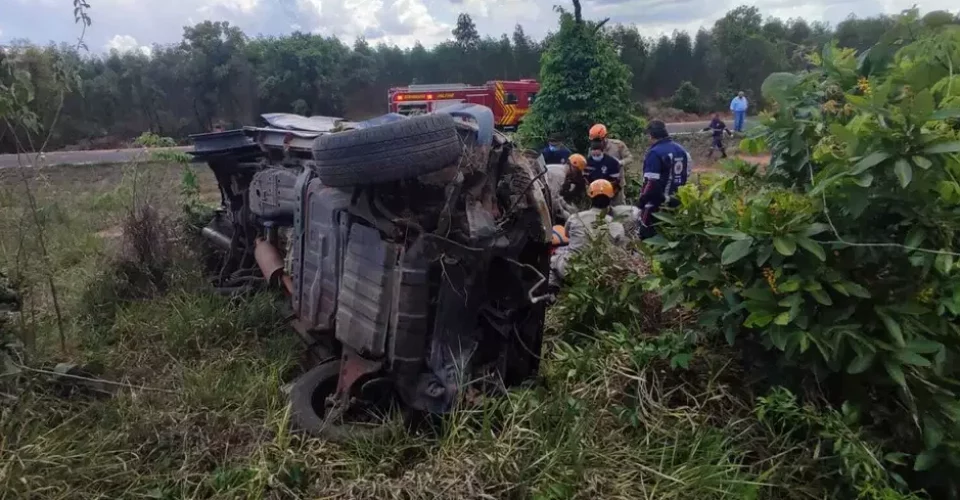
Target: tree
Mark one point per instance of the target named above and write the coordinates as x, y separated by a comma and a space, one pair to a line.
703, 74
633, 53
682, 57
526, 54
686, 98
748, 56
465, 33
218, 74
582, 82
659, 74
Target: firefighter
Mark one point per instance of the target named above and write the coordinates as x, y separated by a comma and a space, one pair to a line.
666, 167
555, 153
566, 182
582, 228
719, 128
601, 165
613, 147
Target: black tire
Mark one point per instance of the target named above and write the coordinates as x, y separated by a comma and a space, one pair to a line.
307, 394
390, 152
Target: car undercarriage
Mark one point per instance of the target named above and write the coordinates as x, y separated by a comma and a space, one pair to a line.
413, 252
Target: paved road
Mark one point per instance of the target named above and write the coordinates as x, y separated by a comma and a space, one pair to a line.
127, 155
82, 157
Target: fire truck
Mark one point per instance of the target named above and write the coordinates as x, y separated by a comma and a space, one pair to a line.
509, 100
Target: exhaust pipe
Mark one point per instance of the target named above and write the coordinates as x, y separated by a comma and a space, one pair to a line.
271, 264
216, 237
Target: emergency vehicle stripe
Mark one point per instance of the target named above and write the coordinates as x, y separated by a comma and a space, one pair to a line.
498, 94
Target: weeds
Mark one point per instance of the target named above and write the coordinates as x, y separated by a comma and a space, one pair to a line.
628, 407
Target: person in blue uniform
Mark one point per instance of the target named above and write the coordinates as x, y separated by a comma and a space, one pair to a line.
555, 153
666, 167
601, 165
718, 128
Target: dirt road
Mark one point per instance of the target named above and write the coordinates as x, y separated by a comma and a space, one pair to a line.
127, 155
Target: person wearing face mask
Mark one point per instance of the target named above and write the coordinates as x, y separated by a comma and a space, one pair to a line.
555, 153
601, 165
666, 167
584, 227
613, 147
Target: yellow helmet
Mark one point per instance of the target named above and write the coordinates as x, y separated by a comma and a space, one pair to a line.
600, 187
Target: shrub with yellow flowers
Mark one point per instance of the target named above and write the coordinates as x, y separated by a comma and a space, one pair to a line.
842, 256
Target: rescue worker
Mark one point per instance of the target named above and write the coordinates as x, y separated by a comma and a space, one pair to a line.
666, 167
555, 153
601, 165
564, 182
718, 128
583, 228
613, 147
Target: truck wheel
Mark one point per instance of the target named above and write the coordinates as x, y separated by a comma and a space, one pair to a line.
390, 152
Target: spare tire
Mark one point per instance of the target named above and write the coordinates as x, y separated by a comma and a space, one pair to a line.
389, 152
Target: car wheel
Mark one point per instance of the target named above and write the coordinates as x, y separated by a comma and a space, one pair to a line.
394, 151
308, 406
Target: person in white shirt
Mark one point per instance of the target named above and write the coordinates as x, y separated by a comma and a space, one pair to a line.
739, 107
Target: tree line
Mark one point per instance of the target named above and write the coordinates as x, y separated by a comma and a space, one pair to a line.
217, 75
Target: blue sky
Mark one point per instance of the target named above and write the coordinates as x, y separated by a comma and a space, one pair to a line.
133, 24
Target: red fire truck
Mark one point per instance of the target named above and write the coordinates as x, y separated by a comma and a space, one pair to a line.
509, 100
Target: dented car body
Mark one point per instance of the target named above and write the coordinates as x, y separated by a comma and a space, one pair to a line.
413, 250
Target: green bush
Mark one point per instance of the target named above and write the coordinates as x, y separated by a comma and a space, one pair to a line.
582, 82
151, 140
841, 257
605, 286
687, 98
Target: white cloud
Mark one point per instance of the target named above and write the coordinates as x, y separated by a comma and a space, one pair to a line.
126, 43
237, 6
401, 22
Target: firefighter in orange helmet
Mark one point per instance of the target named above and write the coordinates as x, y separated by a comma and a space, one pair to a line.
617, 149
582, 228
564, 180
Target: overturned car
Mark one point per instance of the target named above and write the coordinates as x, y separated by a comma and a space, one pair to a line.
413, 250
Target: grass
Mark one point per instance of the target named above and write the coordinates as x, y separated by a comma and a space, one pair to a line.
201, 413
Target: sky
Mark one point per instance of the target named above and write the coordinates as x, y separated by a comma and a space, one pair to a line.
138, 24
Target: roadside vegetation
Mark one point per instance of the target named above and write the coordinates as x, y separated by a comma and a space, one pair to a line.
792, 334
181, 390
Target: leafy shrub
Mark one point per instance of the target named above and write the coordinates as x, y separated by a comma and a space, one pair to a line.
582, 82
606, 286
687, 98
151, 140
841, 256
857, 466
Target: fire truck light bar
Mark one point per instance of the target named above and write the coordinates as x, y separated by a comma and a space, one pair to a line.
422, 97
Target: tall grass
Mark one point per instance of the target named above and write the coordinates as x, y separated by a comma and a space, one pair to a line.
620, 411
